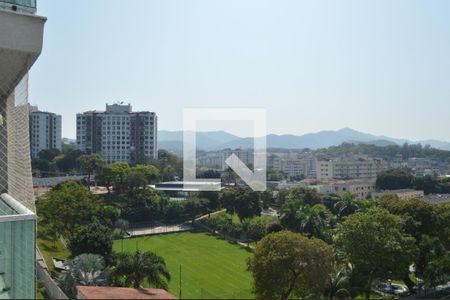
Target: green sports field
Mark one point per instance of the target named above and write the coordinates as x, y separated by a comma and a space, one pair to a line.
210, 267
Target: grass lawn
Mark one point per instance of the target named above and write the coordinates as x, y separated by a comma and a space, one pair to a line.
210, 267
50, 248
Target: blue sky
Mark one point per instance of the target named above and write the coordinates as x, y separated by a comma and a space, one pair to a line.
382, 67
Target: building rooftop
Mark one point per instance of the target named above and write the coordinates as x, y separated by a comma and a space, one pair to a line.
187, 186
100, 292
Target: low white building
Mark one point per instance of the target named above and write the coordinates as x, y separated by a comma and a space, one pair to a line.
351, 167
402, 194
293, 164
360, 187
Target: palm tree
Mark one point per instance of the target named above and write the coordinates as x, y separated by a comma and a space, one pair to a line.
339, 283
289, 213
313, 220
366, 204
135, 268
85, 269
347, 205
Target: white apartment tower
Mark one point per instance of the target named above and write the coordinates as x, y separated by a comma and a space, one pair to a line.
118, 134
45, 131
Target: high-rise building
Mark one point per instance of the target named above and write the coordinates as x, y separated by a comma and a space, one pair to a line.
45, 131
118, 134
21, 36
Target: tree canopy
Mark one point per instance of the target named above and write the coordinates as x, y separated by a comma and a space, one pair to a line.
376, 245
394, 179
287, 264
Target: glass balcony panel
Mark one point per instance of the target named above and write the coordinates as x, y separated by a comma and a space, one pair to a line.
25, 3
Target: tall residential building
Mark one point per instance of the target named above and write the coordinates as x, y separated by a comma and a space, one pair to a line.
118, 134
21, 36
45, 131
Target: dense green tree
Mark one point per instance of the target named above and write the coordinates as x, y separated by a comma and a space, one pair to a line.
273, 175
287, 265
66, 206
195, 206
135, 180
120, 171
213, 199
48, 154
90, 164
133, 269
68, 161
309, 196
274, 227
168, 173
254, 228
209, 174
394, 179
376, 245
106, 178
151, 173
244, 202
94, 238
169, 165
436, 267
431, 184
429, 225
442, 213
419, 215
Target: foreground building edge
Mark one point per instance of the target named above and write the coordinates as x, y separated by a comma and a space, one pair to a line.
21, 36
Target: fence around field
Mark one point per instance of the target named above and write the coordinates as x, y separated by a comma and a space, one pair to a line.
159, 229
242, 294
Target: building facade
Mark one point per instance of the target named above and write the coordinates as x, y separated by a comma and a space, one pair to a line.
293, 163
45, 131
216, 159
118, 134
350, 168
21, 37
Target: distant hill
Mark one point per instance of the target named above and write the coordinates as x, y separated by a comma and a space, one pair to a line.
217, 140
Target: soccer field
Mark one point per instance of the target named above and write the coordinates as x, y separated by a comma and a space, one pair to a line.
210, 267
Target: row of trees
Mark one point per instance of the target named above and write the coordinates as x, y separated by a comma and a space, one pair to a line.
371, 244
405, 151
401, 179
249, 229
52, 162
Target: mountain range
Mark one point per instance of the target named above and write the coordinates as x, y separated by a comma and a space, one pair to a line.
217, 140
